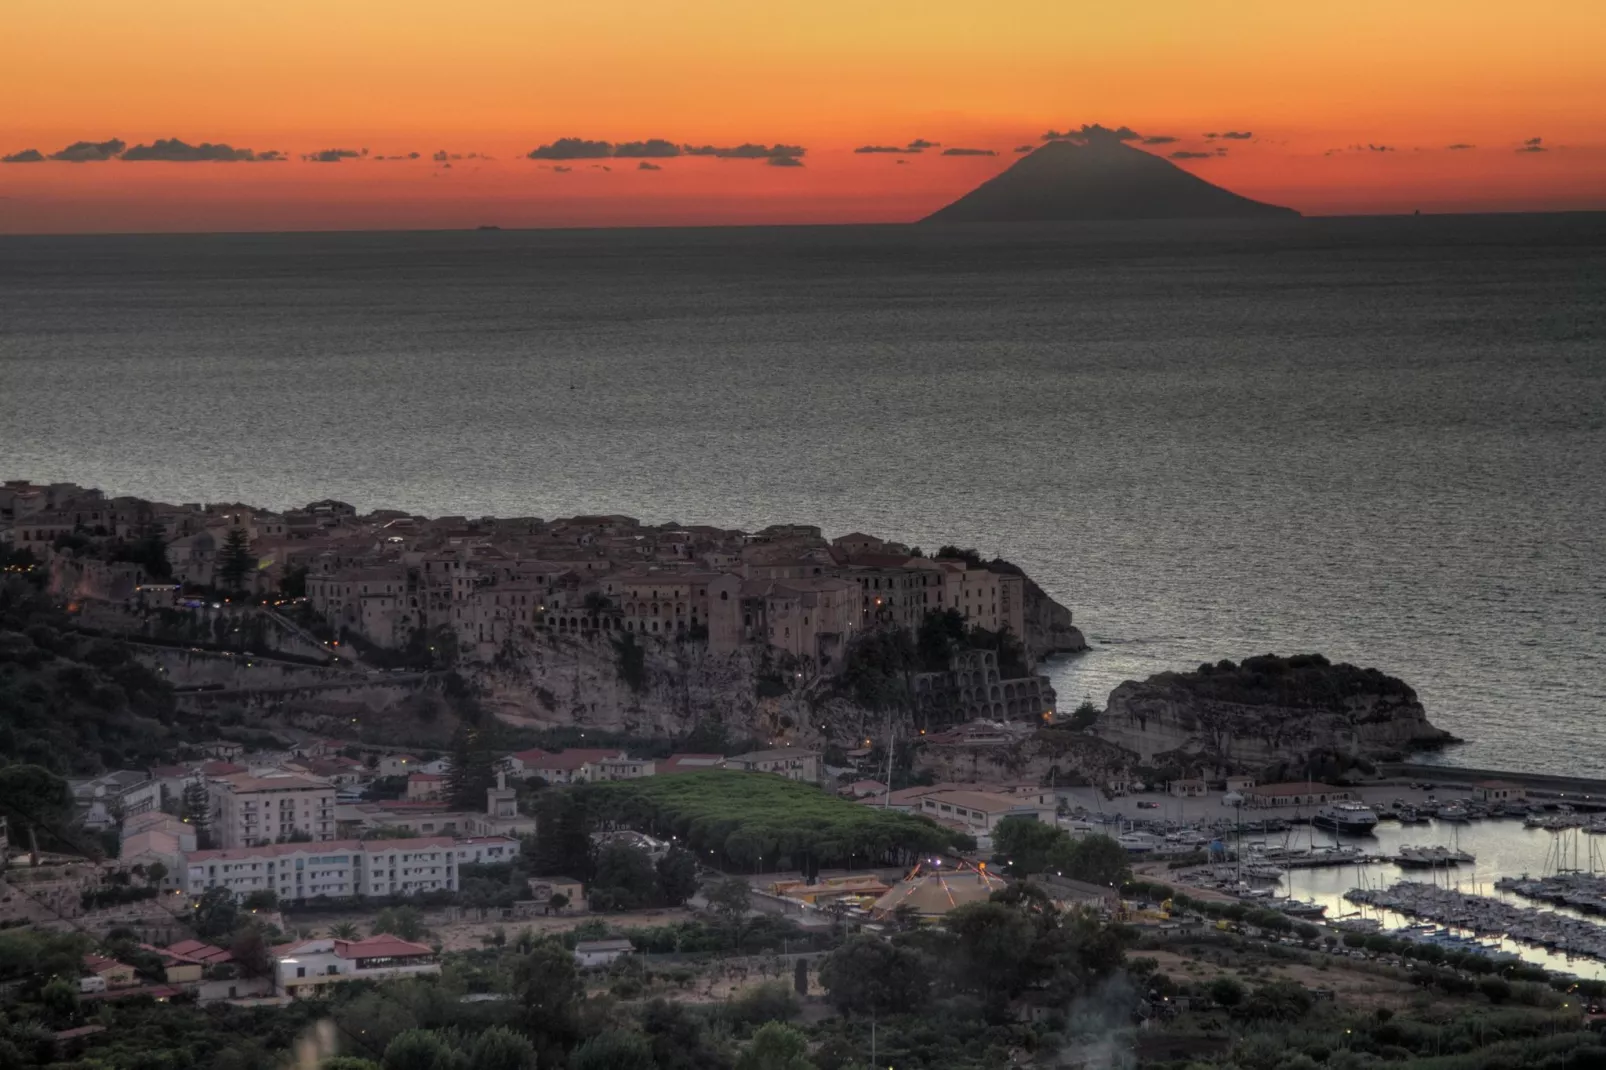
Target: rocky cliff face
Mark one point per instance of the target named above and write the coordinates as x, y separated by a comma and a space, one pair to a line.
562, 680
1048, 626
1267, 710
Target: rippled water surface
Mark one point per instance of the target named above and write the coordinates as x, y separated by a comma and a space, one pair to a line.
1380, 439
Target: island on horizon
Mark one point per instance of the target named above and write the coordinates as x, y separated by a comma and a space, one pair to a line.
1099, 177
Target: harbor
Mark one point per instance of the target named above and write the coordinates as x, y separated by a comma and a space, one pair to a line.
1524, 878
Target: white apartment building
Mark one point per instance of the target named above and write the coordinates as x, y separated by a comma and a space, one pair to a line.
337, 868
304, 968
250, 810
487, 850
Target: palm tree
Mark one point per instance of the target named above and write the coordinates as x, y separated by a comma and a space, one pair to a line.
343, 931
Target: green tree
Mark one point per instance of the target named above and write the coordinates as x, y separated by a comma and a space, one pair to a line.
348, 1062
155, 874
293, 582
234, 561
994, 943
677, 876
547, 984
563, 836
1226, 991
261, 899
471, 768
60, 998
800, 978
215, 915
344, 930
613, 1049
250, 950
1084, 716
34, 800
941, 634
730, 899
1095, 859
775, 1047
1024, 843
500, 1048
195, 810
404, 922
420, 1049
868, 975
624, 879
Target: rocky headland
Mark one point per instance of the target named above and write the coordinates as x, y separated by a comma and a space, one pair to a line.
1266, 711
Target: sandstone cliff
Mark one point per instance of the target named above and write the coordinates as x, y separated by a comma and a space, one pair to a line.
1048, 626
1267, 710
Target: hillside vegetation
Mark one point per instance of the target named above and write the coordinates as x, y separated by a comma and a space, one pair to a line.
1303, 680
70, 703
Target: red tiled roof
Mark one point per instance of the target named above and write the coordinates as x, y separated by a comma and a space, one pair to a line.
570, 760
222, 769
380, 945
689, 763
529, 757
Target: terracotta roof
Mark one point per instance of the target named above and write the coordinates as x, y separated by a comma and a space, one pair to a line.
100, 964
689, 763
570, 760
529, 757
380, 945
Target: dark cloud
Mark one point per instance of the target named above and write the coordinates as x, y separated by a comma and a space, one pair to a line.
1379, 148
90, 151
1024, 148
172, 150
646, 166
271, 156
969, 152
1159, 139
333, 155
560, 169
601, 167
572, 148
784, 161
1183, 154
653, 147
412, 155
1533, 144
25, 156
900, 161
747, 151
1236, 135
914, 148
441, 156
1460, 146
1091, 132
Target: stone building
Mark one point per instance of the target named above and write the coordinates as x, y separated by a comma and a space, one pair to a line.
972, 689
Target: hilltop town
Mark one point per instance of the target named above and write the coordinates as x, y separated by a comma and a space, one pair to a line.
595, 620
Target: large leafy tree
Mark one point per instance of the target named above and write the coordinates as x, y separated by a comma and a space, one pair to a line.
677, 876
1024, 843
500, 1048
215, 915
613, 1049
548, 988
624, 879
776, 1046
35, 801
1095, 859
563, 836
868, 975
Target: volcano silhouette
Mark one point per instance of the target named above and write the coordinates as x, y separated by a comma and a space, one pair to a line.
1099, 179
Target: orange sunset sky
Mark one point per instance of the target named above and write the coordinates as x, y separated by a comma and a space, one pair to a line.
1350, 107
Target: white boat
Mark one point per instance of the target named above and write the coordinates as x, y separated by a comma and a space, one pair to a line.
1454, 812
1416, 856
1139, 841
1351, 817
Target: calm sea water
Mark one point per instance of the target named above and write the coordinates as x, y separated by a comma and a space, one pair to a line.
1380, 439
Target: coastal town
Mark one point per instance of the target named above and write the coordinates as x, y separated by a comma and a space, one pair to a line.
266, 760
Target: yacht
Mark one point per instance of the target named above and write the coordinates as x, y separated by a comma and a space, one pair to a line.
1454, 812
1139, 841
1352, 817
1419, 857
